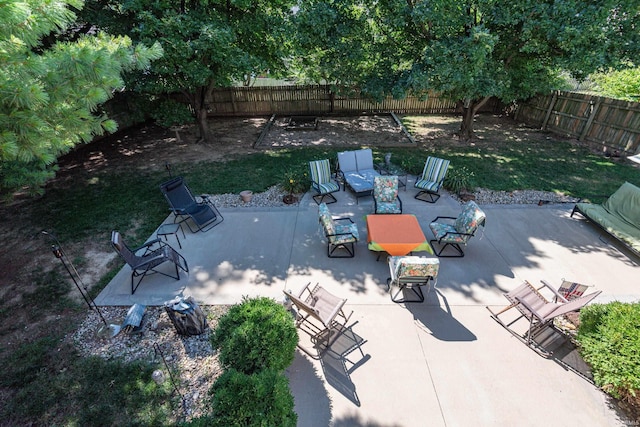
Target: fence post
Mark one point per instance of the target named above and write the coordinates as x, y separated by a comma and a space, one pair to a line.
592, 116
552, 104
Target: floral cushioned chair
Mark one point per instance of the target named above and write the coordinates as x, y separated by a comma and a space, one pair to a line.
411, 273
339, 235
459, 232
385, 195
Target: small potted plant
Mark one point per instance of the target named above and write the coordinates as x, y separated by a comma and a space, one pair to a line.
458, 181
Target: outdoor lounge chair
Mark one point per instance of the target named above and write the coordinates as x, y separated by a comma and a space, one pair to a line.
356, 169
458, 233
411, 273
385, 195
321, 181
155, 253
320, 314
431, 180
204, 215
538, 310
341, 233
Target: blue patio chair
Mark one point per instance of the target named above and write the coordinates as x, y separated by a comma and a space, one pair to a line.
321, 181
429, 183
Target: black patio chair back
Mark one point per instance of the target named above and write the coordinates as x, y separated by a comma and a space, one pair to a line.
203, 214
148, 258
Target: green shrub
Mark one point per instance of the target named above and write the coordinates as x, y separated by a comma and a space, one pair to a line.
260, 399
609, 336
257, 334
458, 179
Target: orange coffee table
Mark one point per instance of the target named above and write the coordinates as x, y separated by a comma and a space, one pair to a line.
396, 234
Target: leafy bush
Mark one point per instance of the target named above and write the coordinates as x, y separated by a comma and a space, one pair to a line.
458, 179
257, 334
622, 84
259, 399
609, 336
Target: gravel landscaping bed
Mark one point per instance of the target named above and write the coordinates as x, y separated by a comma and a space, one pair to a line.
193, 362
273, 198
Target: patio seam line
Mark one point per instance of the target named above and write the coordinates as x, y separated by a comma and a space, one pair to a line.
293, 238
426, 362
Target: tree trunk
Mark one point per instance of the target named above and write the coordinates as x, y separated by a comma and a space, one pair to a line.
203, 124
469, 110
199, 104
466, 127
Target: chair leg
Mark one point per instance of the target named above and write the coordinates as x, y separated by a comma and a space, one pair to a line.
136, 274
322, 196
416, 290
423, 194
455, 246
351, 250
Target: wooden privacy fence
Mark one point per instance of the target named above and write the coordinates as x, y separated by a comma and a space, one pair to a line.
608, 124
302, 100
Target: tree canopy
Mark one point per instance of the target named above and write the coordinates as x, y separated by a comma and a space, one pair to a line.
207, 43
622, 84
49, 94
469, 51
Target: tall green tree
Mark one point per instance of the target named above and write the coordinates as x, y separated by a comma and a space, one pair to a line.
50, 93
467, 50
207, 43
622, 84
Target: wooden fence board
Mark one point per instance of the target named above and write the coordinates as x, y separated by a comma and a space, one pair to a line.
303, 100
608, 123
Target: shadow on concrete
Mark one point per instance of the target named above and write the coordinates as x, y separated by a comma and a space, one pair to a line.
312, 403
355, 420
437, 319
335, 359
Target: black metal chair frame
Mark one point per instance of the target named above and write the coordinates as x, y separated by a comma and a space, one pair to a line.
455, 246
413, 284
347, 246
410, 284
191, 207
156, 252
422, 195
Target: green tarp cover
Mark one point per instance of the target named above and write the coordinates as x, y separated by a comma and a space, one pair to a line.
619, 215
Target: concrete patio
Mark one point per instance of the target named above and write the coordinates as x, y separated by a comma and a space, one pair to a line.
441, 362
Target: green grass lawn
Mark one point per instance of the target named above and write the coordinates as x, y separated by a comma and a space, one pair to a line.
53, 385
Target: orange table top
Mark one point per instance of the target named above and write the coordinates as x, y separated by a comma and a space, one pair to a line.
396, 234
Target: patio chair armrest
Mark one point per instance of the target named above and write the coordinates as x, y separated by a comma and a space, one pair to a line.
305, 288
178, 211
344, 218
147, 245
442, 217
557, 295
